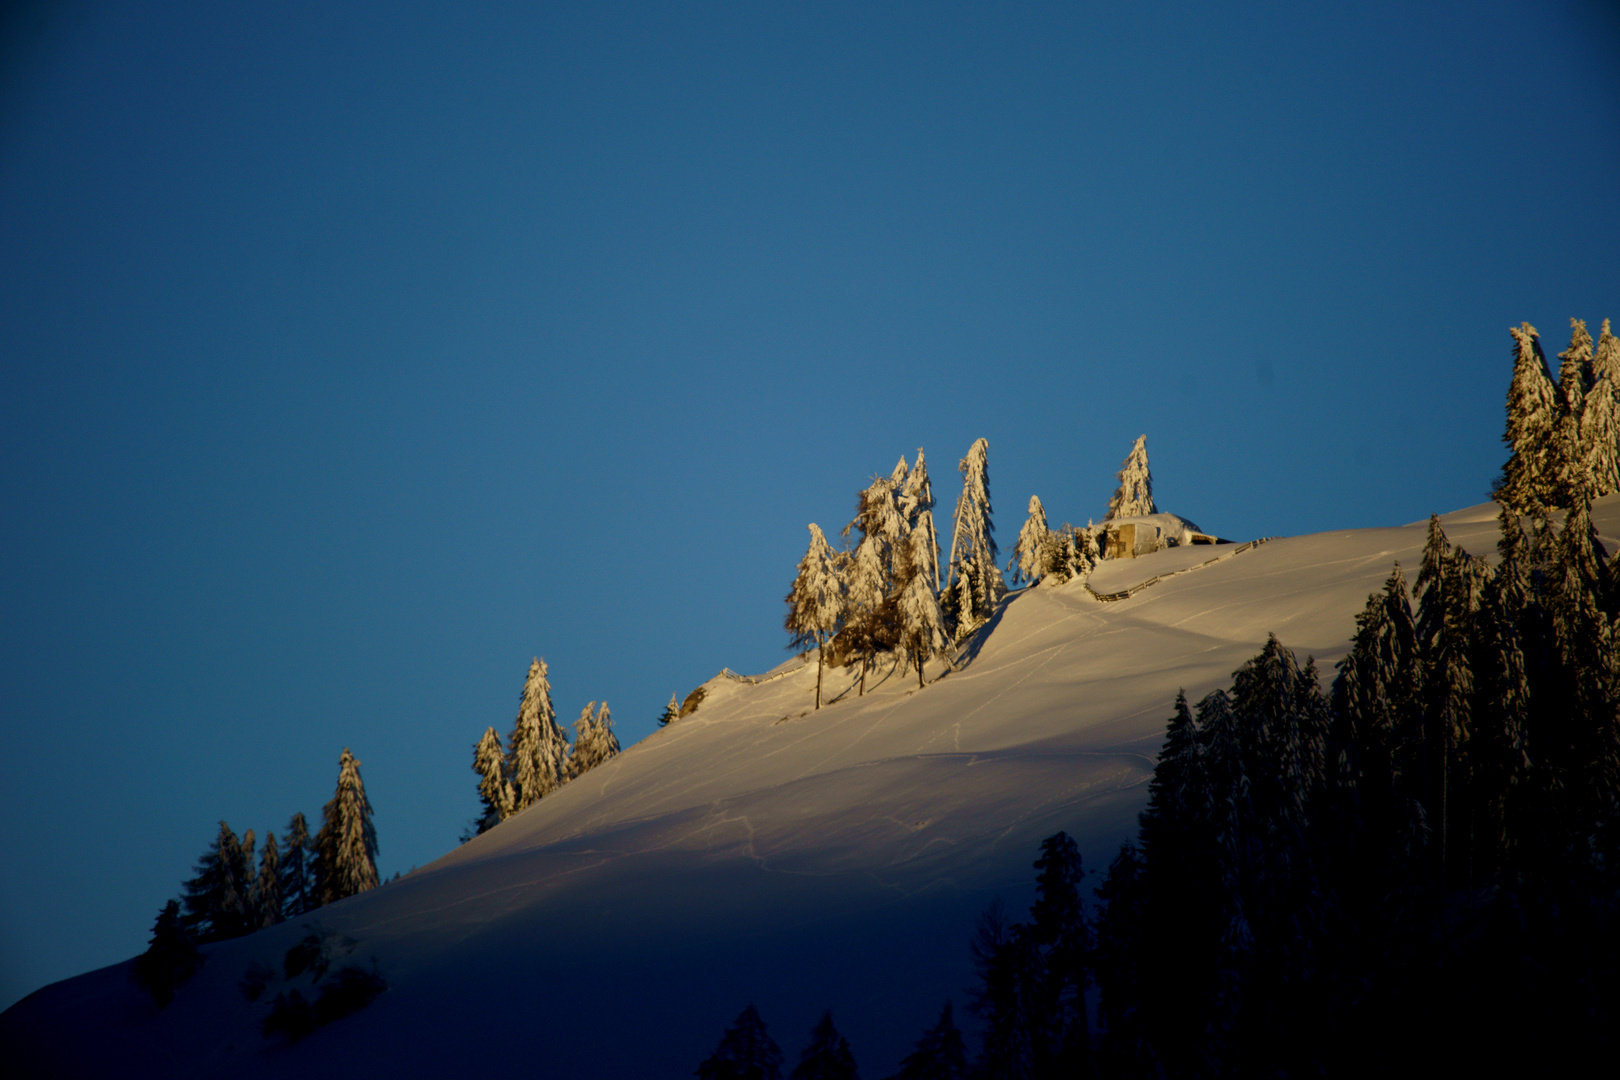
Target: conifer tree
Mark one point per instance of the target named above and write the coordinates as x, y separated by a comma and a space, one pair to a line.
916, 503
878, 518
1569, 452
1059, 928
1033, 552
267, 895
494, 790
594, 741
1585, 639
939, 1055
1606, 356
1575, 369
1006, 998
1178, 796
1449, 586
973, 534
1279, 709
1122, 938
346, 846
671, 713
216, 897
1500, 761
538, 745
746, 1052
816, 600
298, 895
1134, 497
1601, 416
827, 1057
866, 609
1599, 471
1377, 743
1527, 480
249, 848
607, 743
921, 622
1072, 553
170, 958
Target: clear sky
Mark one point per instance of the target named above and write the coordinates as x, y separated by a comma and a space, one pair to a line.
353, 354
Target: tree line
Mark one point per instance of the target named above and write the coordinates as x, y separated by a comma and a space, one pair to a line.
887, 595
228, 896
538, 758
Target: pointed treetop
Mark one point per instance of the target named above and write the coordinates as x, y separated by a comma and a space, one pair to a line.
1575, 373
1606, 357
1134, 496
897, 478
746, 1050
973, 534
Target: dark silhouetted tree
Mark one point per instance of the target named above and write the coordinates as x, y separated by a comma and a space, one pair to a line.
170, 959
827, 1057
746, 1052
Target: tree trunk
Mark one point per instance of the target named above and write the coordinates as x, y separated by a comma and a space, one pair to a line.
821, 647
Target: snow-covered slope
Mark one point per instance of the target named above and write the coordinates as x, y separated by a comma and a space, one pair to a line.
758, 851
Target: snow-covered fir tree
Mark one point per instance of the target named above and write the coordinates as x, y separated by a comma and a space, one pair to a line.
878, 518
594, 741
298, 895
538, 743
1526, 485
1076, 554
816, 600
216, 897
266, 898
1134, 497
1575, 367
1570, 481
1600, 441
1032, 553
1598, 470
867, 584
346, 846
1606, 356
607, 743
870, 574
671, 713
1378, 711
916, 502
494, 790
921, 622
973, 537
827, 1057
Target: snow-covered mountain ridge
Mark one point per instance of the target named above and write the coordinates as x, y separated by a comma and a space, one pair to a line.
756, 850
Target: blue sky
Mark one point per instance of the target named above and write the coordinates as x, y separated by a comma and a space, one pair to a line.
353, 354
